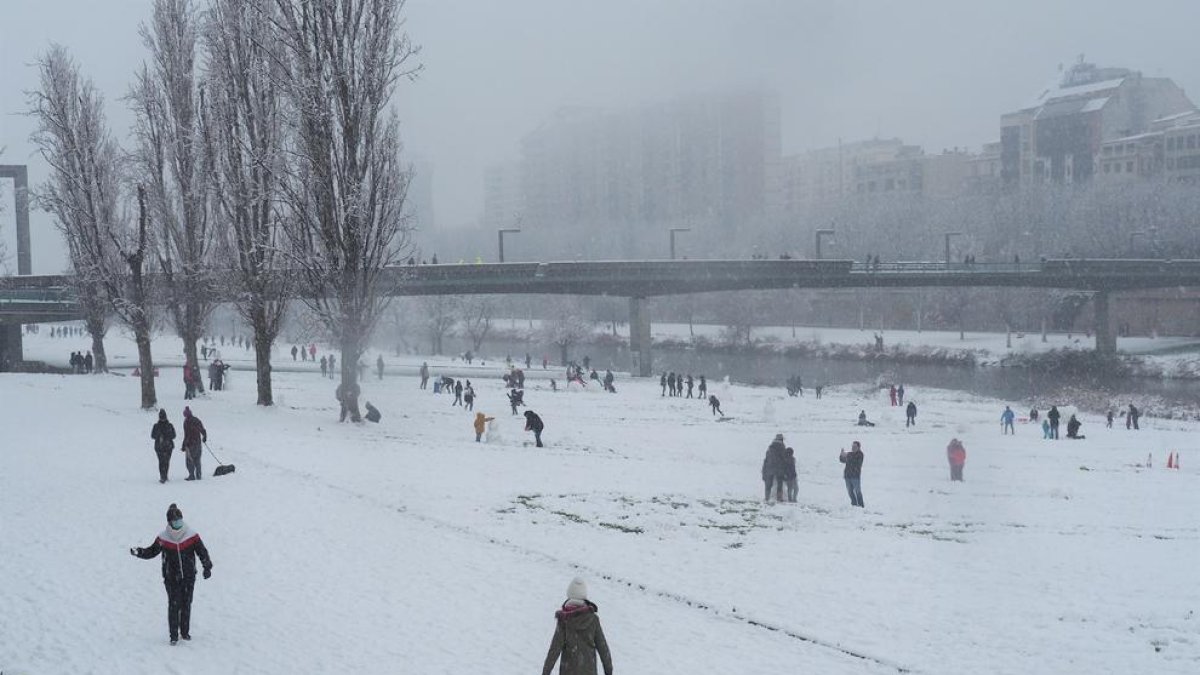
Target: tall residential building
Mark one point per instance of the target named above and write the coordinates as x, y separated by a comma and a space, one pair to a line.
1057, 137
702, 160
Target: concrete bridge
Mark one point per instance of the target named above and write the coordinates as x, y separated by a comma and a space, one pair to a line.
29, 299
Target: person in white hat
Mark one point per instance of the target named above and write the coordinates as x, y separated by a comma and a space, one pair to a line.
578, 637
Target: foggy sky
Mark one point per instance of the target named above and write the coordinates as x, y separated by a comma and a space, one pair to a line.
938, 73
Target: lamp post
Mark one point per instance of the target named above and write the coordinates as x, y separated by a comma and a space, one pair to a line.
948, 235
500, 233
673, 230
822, 233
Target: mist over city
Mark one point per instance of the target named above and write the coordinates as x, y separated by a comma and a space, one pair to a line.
658, 336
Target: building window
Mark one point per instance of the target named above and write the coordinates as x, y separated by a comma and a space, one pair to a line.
1128, 167
1116, 167
1171, 143
1107, 167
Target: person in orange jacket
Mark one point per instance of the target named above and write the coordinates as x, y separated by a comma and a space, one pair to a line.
956, 454
481, 421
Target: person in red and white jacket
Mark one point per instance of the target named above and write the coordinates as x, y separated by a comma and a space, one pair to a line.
179, 547
956, 454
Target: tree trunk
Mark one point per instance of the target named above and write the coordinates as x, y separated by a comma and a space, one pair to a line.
1008, 336
141, 333
190, 335
97, 329
350, 357
1043, 329
263, 341
563, 353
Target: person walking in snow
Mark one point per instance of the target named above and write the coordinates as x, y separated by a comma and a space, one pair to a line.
1131, 419
294, 350
332, 365
189, 387
690, 383
715, 404
312, 352
789, 474
458, 389
852, 474
578, 637
324, 367
163, 435
379, 366
671, 383
534, 423
900, 394
194, 434
481, 421
910, 415
179, 547
1108, 419
1054, 416
956, 454
892, 394
662, 380
469, 396
424, 374
773, 469
1046, 430
703, 390
1006, 421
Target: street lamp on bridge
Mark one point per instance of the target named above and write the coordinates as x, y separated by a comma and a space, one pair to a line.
501, 232
822, 233
673, 230
948, 235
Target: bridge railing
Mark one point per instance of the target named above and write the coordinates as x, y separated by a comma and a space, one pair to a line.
943, 267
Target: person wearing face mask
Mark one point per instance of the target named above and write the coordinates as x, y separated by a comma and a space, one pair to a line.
179, 547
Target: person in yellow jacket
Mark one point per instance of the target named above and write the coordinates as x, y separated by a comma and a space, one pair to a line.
481, 421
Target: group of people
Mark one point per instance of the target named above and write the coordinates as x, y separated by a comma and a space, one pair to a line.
163, 435
306, 353
81, 363
328, 366
682, 386
896, 395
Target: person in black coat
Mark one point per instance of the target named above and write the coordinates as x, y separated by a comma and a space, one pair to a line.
853, 472
163, 434
180, 547
534, 423
1054, 416
910, 414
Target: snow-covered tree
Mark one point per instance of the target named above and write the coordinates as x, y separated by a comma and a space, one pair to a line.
173, 161
566, 327
477, 312
439, 313
84, 191
345, 186
245, 136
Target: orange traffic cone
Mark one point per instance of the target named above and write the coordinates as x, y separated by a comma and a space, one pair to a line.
1171, 461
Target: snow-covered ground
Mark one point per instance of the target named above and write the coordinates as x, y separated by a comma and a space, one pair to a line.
407, 547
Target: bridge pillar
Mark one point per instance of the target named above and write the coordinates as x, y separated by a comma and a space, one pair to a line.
11, 348
639, 337
1106, 337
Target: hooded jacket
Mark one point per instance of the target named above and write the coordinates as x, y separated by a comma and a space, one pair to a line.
773, 462
956, 454
533, 422
163, 434
179, 549
578, 637
193, 433
481, 421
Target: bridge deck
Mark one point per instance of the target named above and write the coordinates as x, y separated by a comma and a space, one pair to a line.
51, 296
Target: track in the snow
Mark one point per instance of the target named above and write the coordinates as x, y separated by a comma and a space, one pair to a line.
468, 532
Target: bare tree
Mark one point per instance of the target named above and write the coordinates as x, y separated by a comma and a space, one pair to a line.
439, 314
566, 328
246, 140
341, 61
477, 312
84, 192
173, 164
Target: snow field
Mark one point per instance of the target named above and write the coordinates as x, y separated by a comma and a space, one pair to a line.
407, 547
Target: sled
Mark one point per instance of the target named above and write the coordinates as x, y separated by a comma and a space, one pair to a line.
724, 418
221, 469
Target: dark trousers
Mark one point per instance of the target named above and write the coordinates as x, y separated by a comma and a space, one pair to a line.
164, 463
1054, 430
910, 421
854, 487
179, 606
776, 484
193, 463
537, 436
956, 471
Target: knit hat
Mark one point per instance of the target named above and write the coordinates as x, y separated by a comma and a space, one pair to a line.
577, 589
779, 437
162, 415
173, 513
187, 411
